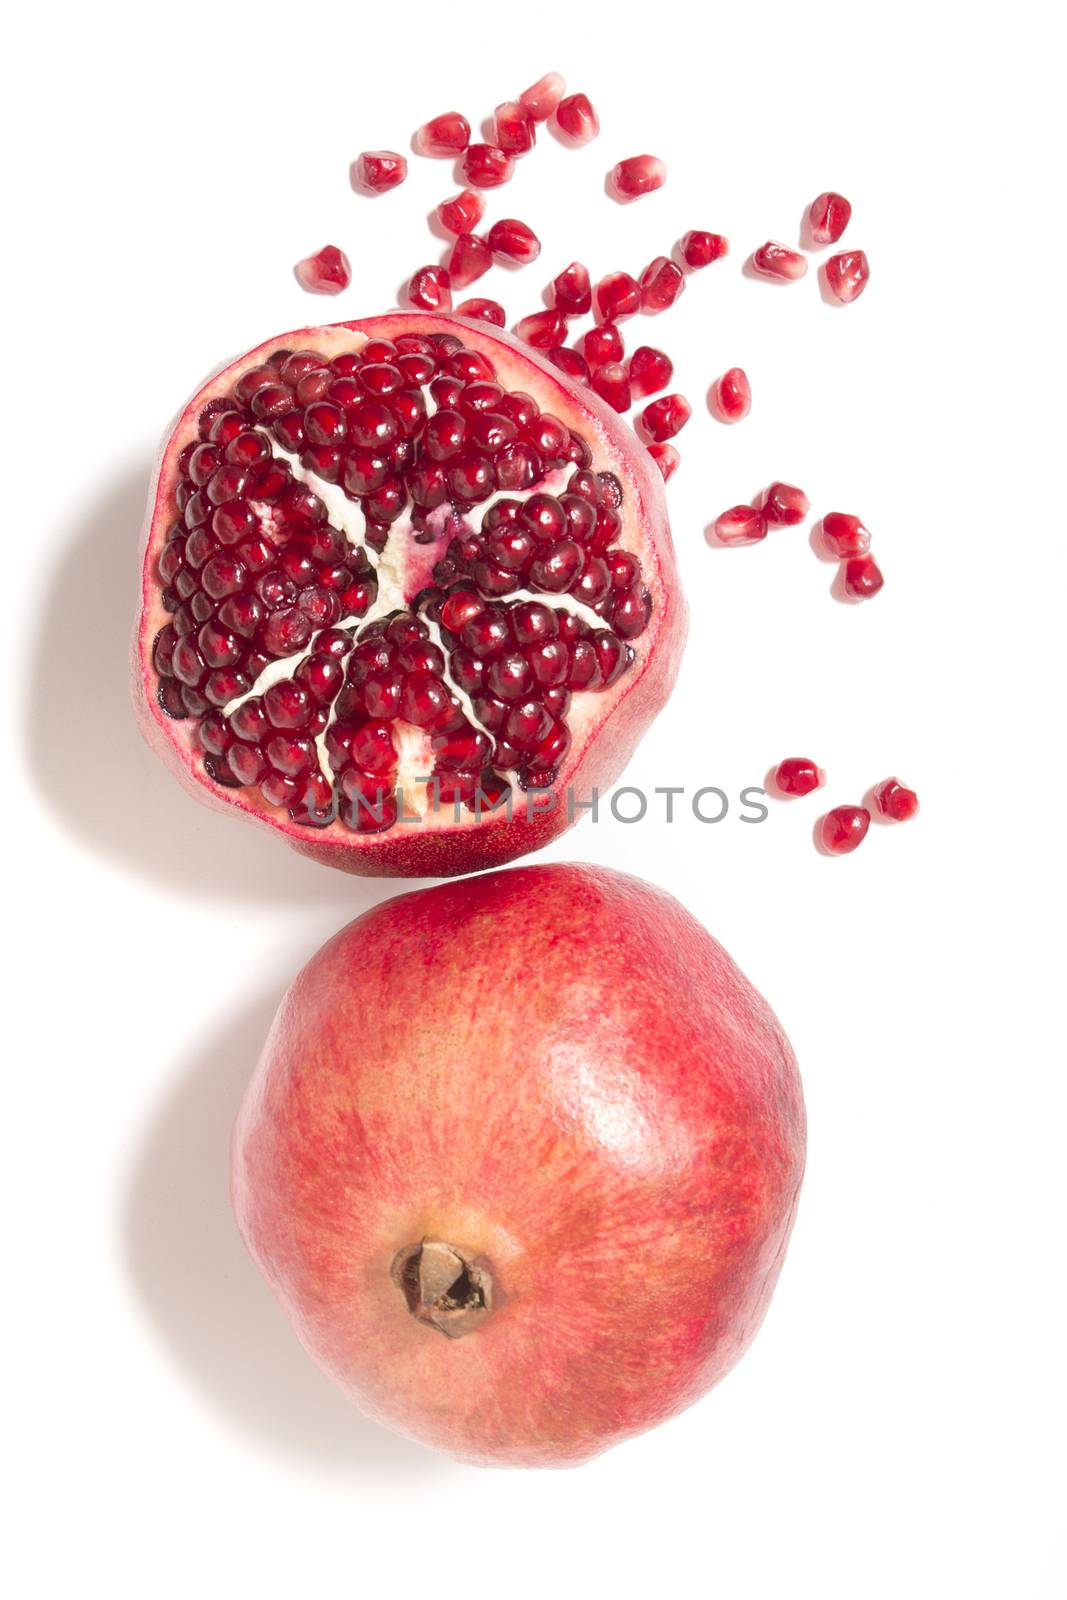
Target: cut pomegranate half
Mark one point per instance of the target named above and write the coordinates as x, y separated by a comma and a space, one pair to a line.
398, 572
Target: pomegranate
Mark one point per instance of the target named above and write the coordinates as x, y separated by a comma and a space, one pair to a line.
520, 1159
379, 602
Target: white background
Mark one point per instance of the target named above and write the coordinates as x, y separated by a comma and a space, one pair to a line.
897, 1429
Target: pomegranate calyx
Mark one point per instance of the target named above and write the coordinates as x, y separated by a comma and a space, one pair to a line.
444, 1287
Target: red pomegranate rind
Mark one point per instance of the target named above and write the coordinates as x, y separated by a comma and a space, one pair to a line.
604, 726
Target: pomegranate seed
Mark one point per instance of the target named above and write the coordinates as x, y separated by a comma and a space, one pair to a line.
784, 505
486, 166
843, 828
798, 775
469, 258
572, 362
572, 292
666, 458
446, 135
638, 175
863, 577
543, 329
895, 801
514, 129
844, 535
430, 289
462, 213
741, 525
602, 344
662, 419
828, 217
661, 283
514, 240
847, 275
700, 249
616, 297
327, 272
379, 170
483, 311
576, 118
732, 395
541, 98
650, 370
778, 261
611, 384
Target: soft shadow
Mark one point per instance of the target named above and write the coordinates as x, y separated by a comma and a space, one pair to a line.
206, 1299
818, 545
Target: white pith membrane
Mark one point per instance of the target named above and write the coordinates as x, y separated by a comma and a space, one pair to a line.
412, 567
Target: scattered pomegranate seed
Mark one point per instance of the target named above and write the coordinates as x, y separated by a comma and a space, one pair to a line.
778, 261
663, 418
741, 525
327, 272
638, 175
572, 292
577, 119
847, 275
844, 535
843, 828
543, 329
828, 217
700, 249
611, 384
470, 258
732, 395
650, 370
379, 170
514, 240
616, 297
490, 311
446, 135
666, 458
541, 98
895, 801
661, 283
430, 289
462, 213
486, 166
785, 505
798, 775
863, 577
571, 362
514, 128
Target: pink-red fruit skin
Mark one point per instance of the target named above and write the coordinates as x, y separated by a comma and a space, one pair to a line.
843, 829
828, 217
895, 801
638, 175
576, 118
775, 260
380, 170
847, 275
732, 395
844, 535
700, 249
327, 272
863, 577
552, 1093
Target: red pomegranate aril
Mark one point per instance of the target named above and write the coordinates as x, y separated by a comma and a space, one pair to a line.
741, 525
514, 128
847, 275
661, 283
732, 395
477, 310
541, 98
556, 566
572, 292
602, 344
576, 118
663, 418
843, 828
649, 370
470, 258
514, 241
616, 297
462, 213
612, 385
486, 166
430, 289
638, 175
544, 516
862, 577
845, 535
667, 459
785, 505
700, 249
775, 260
828, 217
542, 329
895, 801
327, 272
380, 170
446, 135
572, 362
796, 775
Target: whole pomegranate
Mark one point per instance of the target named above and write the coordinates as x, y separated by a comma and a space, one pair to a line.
521, 1159
399, 575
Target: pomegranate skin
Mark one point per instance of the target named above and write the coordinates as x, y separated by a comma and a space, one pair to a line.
556, 1072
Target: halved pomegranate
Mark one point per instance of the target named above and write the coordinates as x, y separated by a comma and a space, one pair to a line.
379, 601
